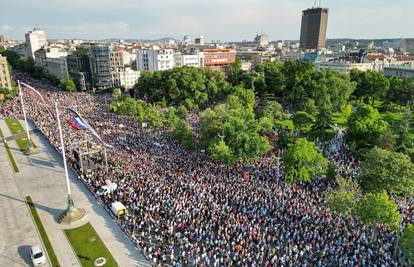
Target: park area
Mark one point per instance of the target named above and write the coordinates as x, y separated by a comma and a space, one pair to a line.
88, 246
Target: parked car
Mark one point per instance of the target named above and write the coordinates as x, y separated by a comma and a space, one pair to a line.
37, 255
106, 189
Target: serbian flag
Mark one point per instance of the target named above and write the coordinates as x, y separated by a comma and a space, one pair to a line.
78, 124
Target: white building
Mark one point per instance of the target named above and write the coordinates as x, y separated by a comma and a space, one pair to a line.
155, 59
195, 60
43, 53
128, 78
402, 70
119, 59
344, 67
35, 39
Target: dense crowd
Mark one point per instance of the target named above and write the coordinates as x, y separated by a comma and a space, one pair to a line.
187, 210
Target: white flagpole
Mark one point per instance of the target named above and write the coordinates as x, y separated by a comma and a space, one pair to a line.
24, 114
63, 150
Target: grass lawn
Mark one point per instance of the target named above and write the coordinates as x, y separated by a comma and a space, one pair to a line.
16, 128
394, 119
89, 246
48, 246
10, 154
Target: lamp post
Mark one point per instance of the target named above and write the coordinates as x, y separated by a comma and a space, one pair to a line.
72, 213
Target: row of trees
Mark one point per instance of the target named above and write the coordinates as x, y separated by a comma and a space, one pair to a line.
298, 85
375, 86
193, 87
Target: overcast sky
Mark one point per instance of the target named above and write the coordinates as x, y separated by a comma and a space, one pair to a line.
215, 19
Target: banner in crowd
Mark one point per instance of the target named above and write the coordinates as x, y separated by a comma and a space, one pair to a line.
36, 94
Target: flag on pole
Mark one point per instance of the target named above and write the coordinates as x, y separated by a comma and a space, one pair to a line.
36, 94
77, 123
83, 122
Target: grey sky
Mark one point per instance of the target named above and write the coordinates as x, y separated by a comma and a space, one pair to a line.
215, 19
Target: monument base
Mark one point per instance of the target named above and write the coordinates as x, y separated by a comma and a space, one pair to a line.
71, 214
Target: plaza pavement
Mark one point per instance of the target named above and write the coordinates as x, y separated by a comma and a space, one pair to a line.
42, 177
17, 229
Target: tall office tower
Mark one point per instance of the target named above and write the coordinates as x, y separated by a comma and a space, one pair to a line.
101, 66
35, 39
80, 68
314, 26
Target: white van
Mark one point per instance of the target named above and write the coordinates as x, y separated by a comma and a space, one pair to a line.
118, 209
106, 189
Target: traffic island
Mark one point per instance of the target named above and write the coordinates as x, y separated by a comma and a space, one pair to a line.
41, 229
89, 247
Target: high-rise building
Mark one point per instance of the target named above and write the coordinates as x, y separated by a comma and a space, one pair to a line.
219, 59
101, 66
5, 80
35, 39
80, 69
313, 30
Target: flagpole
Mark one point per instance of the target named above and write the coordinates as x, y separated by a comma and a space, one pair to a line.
25, 119
72, 213
63, 150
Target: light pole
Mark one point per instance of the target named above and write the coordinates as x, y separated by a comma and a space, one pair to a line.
72, 213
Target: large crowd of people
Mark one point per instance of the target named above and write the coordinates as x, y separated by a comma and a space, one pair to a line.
186, 210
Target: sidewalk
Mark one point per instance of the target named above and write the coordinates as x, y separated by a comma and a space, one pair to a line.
17, 230
42, 177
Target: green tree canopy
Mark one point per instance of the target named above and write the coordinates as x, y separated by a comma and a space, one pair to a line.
386, 170
235, 123
407, 242
344, 199
68, 84
379, 209
193, 87
303, 161
221, 152
365, 126
182, 132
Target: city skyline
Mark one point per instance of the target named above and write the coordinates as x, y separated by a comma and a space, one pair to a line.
232, 20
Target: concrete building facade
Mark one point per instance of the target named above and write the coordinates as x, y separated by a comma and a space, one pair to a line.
345, 67
313, 28
35, 39
188, 60
401, 70
219, 59
5, 79
80, 69
57, 67
155, 59
101, 67
128, 78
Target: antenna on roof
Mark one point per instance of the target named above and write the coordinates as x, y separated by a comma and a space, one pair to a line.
314, 3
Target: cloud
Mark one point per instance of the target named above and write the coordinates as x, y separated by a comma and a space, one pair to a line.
215, 19
6, 28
